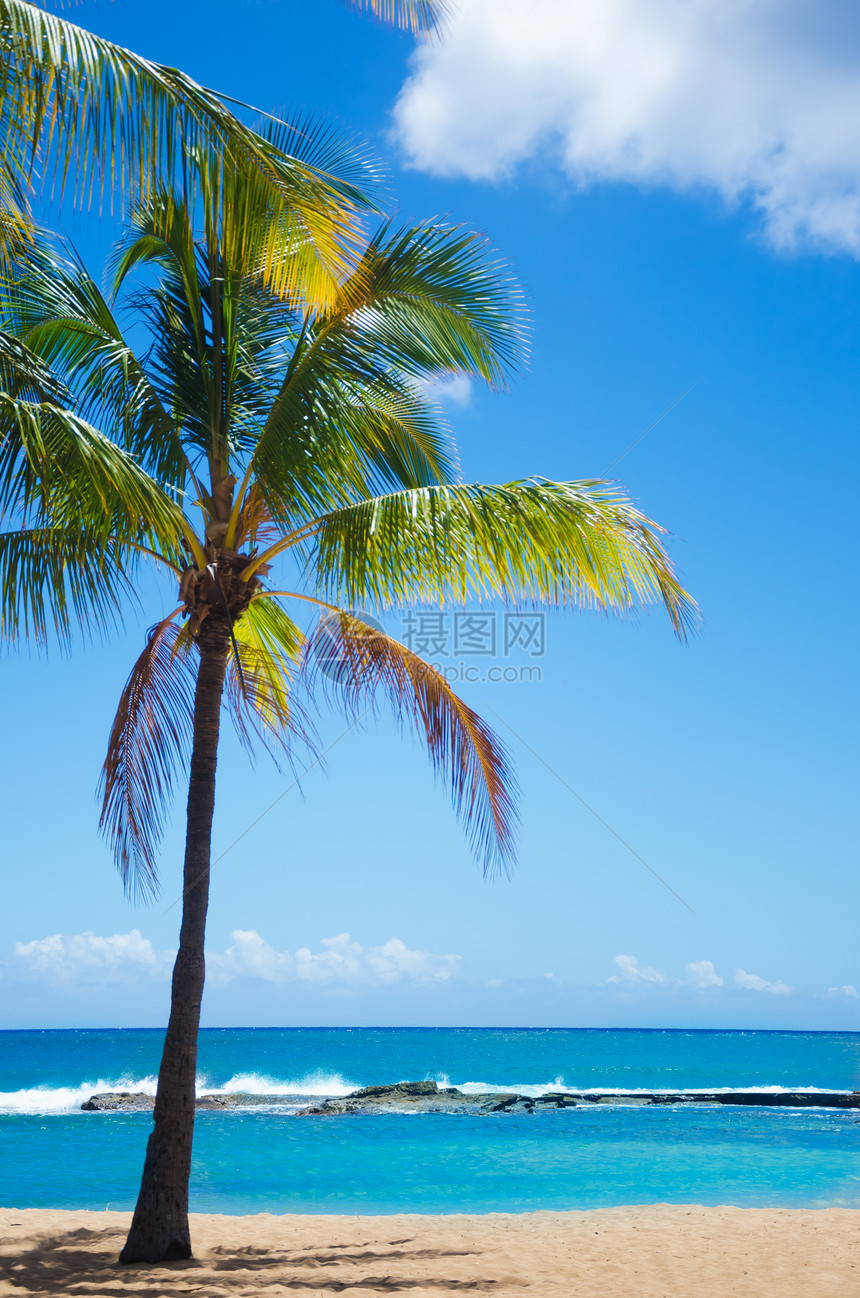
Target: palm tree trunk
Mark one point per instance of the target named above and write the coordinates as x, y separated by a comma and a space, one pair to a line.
159, 1230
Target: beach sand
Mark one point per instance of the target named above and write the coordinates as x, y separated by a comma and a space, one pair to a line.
660, 1251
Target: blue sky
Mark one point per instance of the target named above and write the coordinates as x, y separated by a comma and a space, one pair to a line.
681, 208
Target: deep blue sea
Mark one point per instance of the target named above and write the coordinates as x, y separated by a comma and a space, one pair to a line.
267, 1160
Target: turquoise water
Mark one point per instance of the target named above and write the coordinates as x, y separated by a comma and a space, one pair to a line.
268, 1160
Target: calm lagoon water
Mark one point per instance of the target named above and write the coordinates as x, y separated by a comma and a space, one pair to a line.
267, 1160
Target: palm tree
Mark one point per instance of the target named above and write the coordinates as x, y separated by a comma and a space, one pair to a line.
256, 432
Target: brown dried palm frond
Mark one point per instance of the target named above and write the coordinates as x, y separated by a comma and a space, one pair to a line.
362, 663
255, 527
150, 738
416, 16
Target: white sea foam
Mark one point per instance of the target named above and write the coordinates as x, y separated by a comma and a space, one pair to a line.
65, 1099
560, 1086
68, 1099
314, 1084
521, 1088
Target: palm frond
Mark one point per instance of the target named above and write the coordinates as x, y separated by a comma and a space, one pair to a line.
580, 543
261, 699
56, 464
149, 740
101, 116
24, 373
363, 663
416, 16
435, 299
424, 302
255, 528
340, 437
58, 579
52, 303
320, 142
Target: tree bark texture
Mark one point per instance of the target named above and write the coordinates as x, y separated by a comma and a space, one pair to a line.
159, 1230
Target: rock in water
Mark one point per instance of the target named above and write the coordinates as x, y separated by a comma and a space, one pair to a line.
426, 1097
137, 1102
128, 1101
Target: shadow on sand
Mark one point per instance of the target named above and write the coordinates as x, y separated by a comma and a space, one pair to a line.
83, 1263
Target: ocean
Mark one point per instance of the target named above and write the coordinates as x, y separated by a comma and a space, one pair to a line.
266, 1159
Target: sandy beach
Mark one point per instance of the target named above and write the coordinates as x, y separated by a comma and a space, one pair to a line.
660, 1251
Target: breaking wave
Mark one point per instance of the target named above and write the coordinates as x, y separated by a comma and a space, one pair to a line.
318, 1084
68, 1099
559, 1085
65, 1099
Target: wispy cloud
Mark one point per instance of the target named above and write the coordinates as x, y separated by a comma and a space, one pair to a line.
341, 961
86, 958
746, 97
700, 975
631, 971
753, 983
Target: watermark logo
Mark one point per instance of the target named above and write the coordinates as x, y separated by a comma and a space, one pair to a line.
455, 643
328, 647
467, 647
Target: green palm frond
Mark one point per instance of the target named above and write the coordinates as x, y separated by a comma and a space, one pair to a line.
59, 579
366, 665
101, 116
424, 302
220, 338
301, 247
57, 468
320, 142
580, 543
24, 373
150, 739
434, 299
340, 438
261, 700
55, 307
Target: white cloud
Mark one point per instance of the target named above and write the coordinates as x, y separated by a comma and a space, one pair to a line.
845, 990
455, 390
631, 971
87, 957
701, 974
753, 983
341, 961
746, 97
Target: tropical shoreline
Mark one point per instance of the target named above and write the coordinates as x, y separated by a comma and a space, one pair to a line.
653, 1251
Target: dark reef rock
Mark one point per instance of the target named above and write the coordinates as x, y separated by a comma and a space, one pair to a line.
137, 1102
414, 1097
765, 1099
124, 1101
426, 1097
